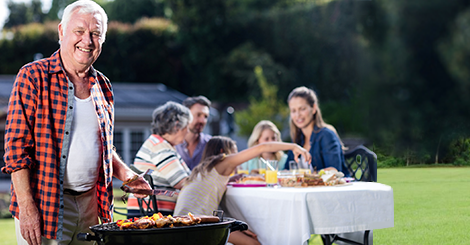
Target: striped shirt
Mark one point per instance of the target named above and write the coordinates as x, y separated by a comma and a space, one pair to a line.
37, 137
160, 156
202, 195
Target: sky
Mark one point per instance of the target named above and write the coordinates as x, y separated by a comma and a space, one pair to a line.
4, 12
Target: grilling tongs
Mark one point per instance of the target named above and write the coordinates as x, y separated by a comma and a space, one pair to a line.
155, 192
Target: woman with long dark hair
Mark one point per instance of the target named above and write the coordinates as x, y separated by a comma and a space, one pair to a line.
308, 130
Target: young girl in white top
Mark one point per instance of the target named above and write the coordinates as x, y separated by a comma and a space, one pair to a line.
206, 185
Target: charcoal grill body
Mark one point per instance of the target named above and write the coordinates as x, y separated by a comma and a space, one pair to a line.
203, 234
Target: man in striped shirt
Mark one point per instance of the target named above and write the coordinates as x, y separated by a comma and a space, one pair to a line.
59, 136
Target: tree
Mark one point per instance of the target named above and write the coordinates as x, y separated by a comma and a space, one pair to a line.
21, 13
265, 107
58, 6
131, 11
415, 106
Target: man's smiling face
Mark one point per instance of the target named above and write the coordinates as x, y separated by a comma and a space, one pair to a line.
81, 41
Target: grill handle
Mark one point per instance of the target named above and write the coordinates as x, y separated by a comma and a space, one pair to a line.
87, 237
238, 225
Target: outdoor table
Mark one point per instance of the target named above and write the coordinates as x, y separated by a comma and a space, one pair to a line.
288, 215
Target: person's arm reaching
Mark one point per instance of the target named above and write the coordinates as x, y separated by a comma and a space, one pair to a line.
233, 160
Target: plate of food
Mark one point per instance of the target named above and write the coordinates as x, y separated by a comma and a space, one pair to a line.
250, 181
322, 179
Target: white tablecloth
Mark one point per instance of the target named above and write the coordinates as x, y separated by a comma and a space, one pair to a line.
289, 215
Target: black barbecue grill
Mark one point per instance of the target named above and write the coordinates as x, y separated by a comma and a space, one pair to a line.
203, 234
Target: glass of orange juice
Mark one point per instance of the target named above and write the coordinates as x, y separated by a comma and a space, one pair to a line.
262, 171
271, 173
261, 167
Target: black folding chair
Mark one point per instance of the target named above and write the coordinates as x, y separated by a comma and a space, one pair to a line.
362, 164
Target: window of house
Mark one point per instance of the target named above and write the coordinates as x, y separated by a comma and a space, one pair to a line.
128, 141
137, 138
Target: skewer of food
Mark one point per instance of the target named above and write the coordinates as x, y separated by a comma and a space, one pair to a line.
159, 221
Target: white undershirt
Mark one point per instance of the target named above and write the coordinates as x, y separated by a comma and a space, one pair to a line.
81, 172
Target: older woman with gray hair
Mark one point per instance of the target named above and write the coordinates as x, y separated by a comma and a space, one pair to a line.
169, 127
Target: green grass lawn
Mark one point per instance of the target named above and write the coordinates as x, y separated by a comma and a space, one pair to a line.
432, 206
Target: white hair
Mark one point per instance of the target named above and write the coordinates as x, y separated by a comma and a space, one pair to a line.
170, 118
85, 7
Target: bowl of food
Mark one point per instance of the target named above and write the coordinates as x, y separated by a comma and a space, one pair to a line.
287, 178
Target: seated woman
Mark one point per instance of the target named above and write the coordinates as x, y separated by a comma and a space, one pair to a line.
308, 129
206, 185
169, 127
264, 131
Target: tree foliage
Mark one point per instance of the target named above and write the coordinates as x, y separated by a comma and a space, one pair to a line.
131, 11
22, 13
414, 103
265, 107
395, 72
118, 60
25, 42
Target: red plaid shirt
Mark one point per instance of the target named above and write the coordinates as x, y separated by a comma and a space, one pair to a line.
37, 137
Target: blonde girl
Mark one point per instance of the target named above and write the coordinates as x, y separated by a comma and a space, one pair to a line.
264, 131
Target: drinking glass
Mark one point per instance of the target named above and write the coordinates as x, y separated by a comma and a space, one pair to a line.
305, 171
271, 173
304, 167
261, 166
293, 165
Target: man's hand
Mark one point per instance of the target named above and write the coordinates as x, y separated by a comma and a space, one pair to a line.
30, 220
124, 173
139, 183
30, 224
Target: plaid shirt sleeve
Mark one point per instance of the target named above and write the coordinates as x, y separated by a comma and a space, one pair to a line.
34, 133
19, 142
103, 96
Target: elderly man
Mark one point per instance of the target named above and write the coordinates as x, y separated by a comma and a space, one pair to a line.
195, 141
59, 136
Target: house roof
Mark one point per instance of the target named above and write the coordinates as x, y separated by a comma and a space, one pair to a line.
144, 95
132, 100
139, 100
